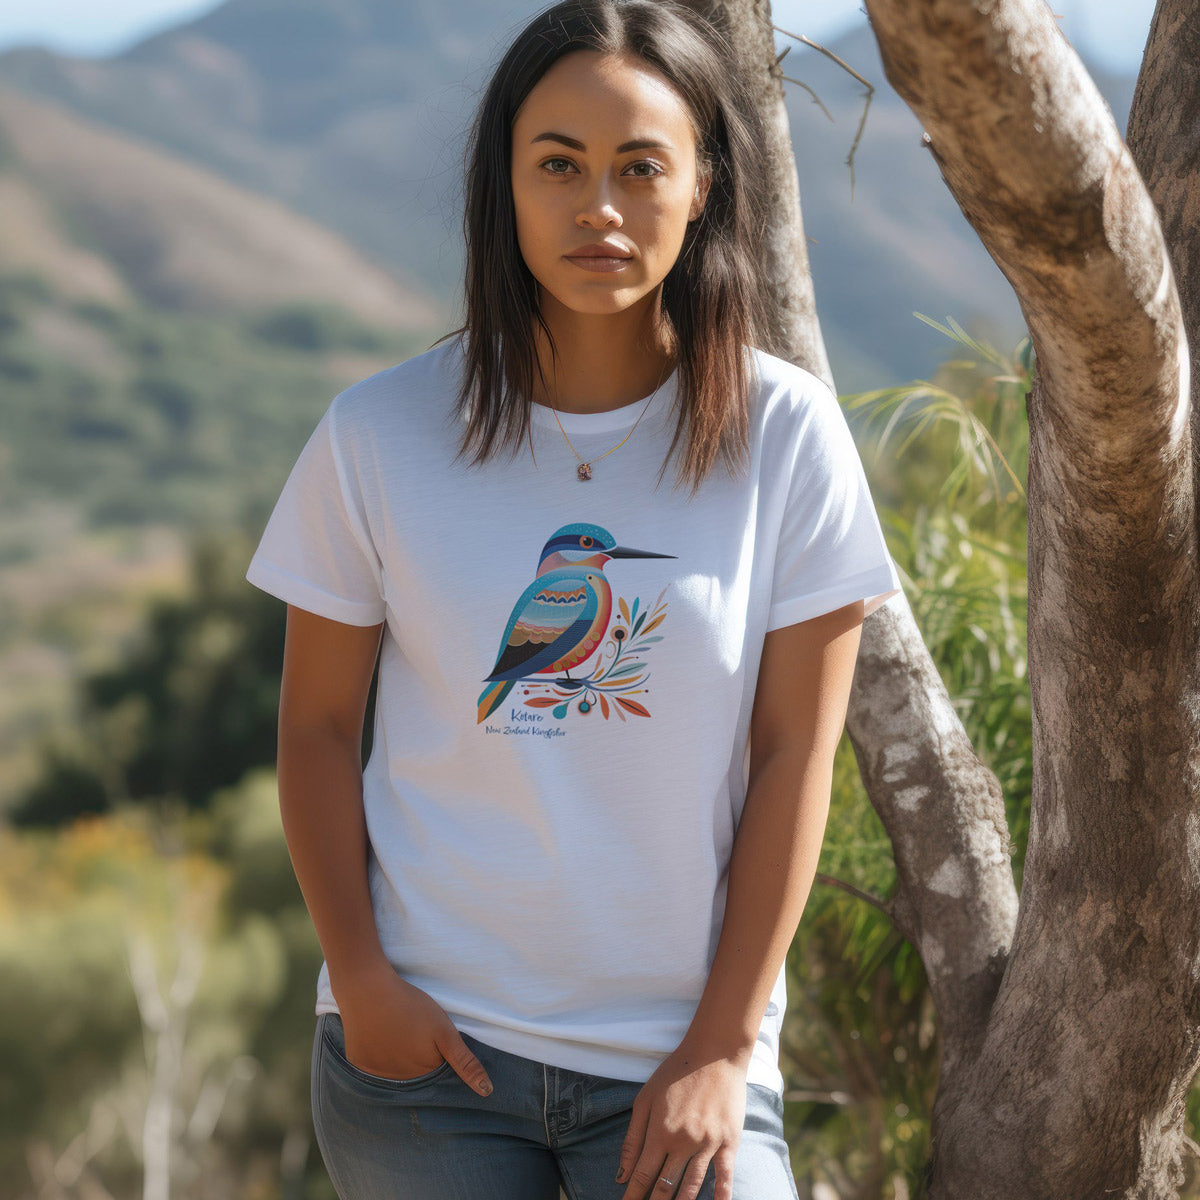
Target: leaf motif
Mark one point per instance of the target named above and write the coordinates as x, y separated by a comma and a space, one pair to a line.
645, 641
634, 611
656, 622
625, 668
624, 608
632, 705
542, 702
633, 631
604, 706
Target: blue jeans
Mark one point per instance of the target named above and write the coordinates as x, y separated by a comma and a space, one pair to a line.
543, 1128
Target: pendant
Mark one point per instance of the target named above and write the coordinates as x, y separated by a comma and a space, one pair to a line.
585, 470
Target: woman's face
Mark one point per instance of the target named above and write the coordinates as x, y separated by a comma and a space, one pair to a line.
575, 181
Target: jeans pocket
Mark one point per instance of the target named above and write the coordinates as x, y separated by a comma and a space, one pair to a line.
334, 1038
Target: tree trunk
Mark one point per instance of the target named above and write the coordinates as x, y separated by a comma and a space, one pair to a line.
1069, 1030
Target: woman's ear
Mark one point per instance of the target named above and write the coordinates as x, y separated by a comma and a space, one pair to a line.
699, 196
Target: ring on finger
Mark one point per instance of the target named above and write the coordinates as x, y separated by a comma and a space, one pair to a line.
672, 1173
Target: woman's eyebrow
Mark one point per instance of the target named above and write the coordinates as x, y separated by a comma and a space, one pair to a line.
637, 144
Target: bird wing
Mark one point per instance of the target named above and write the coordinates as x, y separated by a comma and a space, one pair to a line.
550, 616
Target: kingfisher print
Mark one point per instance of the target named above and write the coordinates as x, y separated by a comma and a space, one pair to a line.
560, 621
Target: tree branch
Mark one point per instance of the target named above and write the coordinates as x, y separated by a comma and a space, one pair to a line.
867, 897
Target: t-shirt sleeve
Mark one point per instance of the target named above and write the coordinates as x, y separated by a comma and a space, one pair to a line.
317, 551
831, 548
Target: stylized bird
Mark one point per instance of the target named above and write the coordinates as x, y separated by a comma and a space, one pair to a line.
561, 617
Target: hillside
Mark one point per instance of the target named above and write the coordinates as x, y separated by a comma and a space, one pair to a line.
349, 111
127, 429
104, 217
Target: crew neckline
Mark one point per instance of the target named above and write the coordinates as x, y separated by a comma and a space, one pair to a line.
613, 418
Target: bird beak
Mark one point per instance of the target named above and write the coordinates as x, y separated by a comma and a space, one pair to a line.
629, 552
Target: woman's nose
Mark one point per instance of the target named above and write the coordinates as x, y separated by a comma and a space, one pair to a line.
597, 207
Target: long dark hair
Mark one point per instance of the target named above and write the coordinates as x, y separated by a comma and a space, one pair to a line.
710, 296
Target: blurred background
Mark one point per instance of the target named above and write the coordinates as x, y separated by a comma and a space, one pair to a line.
214, 217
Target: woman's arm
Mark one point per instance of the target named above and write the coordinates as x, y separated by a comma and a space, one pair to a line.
327, 668
692, 1110
391, 1028
799, 711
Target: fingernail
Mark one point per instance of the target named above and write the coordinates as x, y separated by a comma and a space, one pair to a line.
621, 1175
486, 1087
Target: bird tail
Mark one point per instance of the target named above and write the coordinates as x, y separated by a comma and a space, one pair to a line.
492, 697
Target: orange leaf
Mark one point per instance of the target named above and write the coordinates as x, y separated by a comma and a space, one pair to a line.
604, 706
632, 705
543, 702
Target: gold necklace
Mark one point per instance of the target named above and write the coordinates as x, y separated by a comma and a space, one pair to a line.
584, 470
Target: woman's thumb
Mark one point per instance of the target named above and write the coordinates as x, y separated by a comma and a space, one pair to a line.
469, 1068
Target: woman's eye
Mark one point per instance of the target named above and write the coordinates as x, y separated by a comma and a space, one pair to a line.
656, 170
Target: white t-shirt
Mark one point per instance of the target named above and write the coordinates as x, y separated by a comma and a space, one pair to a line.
560, 749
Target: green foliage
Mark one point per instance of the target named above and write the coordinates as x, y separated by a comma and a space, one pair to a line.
97, 922
860, 1047
66, 789
156, 416
189, 710
316, 327
962, 541
67, 1012
8, 156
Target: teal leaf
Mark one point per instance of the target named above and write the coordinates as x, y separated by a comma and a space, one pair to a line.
625, 668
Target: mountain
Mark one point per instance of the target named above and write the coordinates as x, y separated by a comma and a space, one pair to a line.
331, 106
354, 113
103, 216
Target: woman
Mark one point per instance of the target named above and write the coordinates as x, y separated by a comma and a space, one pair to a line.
555, 904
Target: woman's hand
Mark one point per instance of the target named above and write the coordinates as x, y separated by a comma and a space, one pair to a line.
691, 1112
398, 1031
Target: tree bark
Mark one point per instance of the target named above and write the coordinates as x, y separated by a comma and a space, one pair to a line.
1076, 1086
1069, 1028
795, 332
1163, 139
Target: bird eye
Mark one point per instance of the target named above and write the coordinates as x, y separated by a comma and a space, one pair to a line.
586, 542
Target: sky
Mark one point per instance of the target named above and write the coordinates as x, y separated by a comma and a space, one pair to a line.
1113, 32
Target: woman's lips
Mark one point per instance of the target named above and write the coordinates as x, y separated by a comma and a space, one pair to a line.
591, 263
